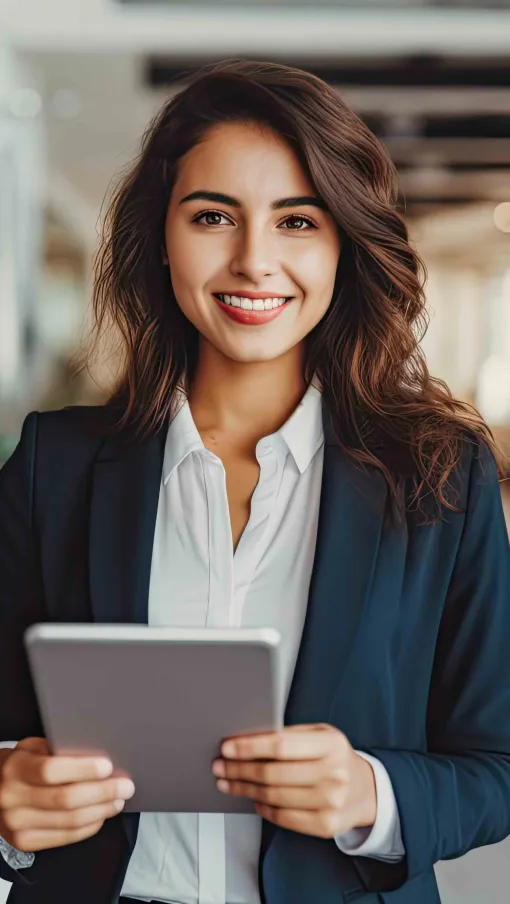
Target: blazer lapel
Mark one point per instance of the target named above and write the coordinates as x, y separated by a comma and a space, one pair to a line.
351, 515
124, 503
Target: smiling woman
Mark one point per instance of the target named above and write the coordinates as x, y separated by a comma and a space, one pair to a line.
275, 454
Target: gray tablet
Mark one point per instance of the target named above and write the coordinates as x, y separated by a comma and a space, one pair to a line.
158, 702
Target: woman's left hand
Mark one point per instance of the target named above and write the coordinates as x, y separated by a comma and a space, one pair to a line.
306, 778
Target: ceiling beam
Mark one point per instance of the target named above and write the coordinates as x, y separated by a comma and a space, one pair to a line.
73, 25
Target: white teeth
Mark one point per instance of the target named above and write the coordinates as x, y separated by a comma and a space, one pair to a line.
255, 304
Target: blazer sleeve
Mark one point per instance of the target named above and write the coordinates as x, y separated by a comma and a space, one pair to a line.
21, 601
456, 796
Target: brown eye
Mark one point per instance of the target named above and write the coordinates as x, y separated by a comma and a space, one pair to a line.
296, 218
209, 213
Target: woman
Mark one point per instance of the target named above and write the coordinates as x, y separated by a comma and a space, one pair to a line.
276, 453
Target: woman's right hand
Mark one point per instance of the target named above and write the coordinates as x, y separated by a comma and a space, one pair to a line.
49, 801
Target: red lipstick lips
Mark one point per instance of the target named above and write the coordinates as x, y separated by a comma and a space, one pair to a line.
248, 317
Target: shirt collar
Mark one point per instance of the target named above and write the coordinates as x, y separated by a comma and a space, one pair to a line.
302, 433
182, 437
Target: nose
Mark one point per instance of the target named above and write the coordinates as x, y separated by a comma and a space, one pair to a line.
254, 255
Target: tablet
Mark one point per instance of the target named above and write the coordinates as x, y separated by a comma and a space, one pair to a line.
158, 702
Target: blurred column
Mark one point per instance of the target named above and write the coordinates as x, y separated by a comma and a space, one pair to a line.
22, 169
454, 344
493, 390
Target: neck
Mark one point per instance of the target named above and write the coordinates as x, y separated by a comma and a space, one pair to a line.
240, 401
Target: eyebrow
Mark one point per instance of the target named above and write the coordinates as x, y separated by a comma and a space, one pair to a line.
220, 198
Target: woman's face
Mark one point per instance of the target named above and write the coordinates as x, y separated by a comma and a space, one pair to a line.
262, 231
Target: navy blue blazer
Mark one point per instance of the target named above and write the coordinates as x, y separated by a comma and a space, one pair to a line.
405, 649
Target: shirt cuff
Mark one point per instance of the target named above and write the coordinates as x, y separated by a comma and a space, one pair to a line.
383, 840
14, 858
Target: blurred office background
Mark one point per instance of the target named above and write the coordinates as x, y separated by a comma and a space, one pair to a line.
79, 81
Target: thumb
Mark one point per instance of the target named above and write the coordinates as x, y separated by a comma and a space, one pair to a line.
34, 745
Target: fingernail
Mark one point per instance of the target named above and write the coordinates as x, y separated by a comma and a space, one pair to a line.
125, 788
118, 804
104, 768
218, 768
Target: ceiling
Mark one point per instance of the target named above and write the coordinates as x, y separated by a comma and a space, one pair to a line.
449, 136
432, 83
371, 4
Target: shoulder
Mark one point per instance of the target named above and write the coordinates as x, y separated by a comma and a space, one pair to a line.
474, 492
77, 419
483, 492
75, 423
68, 436
472, 477
476, 468
54, 446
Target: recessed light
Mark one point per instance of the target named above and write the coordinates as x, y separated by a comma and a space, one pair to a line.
502, 216
25, 103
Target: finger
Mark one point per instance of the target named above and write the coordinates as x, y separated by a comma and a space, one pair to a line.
277, 772
67, 797
36, 769
42, 839
309, 726
282, 745
328, 796
302, 726
30, 820
319, 823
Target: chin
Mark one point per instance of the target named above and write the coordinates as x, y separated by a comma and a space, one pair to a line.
253, 355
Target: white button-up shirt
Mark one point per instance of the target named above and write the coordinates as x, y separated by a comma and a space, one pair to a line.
197, 581
211, 858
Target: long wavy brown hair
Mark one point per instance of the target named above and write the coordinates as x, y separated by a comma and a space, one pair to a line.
386, 410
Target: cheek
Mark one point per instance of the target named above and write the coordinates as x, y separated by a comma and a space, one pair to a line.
188, 276
318, 282
317, 267
193, 267
187, 285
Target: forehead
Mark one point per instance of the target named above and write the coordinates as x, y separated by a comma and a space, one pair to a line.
243, 158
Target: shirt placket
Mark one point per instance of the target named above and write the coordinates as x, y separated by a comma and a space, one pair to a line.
211, 826
271, 459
